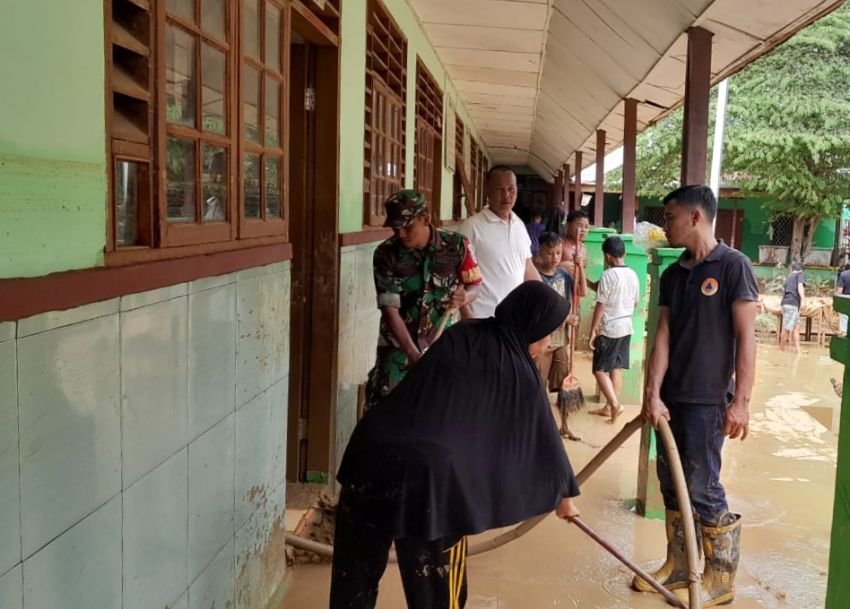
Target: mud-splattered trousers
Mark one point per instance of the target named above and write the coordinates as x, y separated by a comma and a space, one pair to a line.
698, 430
433, 573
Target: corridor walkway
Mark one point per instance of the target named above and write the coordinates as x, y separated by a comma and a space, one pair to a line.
781, 479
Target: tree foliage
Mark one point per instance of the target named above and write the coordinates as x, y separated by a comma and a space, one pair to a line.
787, 130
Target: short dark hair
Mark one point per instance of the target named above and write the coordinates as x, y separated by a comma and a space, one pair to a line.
549, 239
498, 169
577, 214
797, 266
695, 195
614, 246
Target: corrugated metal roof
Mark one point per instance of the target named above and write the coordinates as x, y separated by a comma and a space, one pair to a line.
539, 77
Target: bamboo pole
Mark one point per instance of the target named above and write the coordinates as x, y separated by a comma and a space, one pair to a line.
684, 500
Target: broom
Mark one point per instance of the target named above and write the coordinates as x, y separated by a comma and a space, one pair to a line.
570, 395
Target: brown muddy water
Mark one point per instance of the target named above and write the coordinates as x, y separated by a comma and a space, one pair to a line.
781, 479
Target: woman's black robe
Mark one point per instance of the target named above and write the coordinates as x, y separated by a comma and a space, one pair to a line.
467, 442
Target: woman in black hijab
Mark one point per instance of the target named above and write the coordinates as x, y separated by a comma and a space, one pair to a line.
465, 443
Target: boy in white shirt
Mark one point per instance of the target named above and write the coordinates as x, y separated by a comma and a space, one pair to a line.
611, 330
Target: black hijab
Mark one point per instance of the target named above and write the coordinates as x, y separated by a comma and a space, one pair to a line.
533, 310
467, 441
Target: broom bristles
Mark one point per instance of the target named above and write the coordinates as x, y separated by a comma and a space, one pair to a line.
570, 398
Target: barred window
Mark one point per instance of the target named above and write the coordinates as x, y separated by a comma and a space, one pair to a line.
429, 137
386, 77
457, 201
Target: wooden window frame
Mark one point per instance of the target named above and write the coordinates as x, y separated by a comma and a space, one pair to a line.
483, 168
474, 173
386, 87
174, 234
428, 145
158, 238
458, 190
263, 227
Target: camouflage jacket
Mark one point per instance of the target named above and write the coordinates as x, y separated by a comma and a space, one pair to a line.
419, 282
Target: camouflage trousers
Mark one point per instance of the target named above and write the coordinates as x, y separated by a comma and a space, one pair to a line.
390, 367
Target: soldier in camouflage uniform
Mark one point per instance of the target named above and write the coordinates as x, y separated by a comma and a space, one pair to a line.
420, 273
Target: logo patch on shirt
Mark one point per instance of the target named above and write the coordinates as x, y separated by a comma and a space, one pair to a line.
709, 287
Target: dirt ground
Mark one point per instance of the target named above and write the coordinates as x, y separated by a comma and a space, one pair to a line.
781, 479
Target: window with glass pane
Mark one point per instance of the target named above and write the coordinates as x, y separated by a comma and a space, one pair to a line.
197, 53
263, 96
131, 184
210, 114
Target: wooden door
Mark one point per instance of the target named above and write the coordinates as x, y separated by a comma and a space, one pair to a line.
314, 79
730, 226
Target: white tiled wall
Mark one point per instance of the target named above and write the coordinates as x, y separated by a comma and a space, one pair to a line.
142, 448
359, 320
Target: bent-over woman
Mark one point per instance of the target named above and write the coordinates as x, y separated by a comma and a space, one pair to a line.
465, 443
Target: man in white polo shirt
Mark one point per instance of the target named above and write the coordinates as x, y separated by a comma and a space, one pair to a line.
500, 243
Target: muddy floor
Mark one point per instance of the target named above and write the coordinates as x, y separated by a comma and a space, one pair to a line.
781, 479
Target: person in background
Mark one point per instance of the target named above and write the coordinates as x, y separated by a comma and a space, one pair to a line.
553, 363
617, 295
792, 301
500, 242
555, 221
420, 273
535, 228
574, 258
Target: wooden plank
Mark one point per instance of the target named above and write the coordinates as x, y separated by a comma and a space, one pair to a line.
311, 27
122, 37
467, 187
123, 83
123, 128
139, 271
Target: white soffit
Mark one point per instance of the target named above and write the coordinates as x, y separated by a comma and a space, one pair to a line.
538, 77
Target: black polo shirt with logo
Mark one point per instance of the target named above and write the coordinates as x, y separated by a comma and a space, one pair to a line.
702, 334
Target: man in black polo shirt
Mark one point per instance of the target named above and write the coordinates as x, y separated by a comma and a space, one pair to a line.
705, 336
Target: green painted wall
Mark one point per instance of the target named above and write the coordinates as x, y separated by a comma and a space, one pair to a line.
52, 137
756, 224
352, 105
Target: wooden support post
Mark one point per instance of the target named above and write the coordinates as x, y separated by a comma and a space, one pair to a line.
577, 184
629, 159
695, 124
565, 185
599, 197
556, 192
